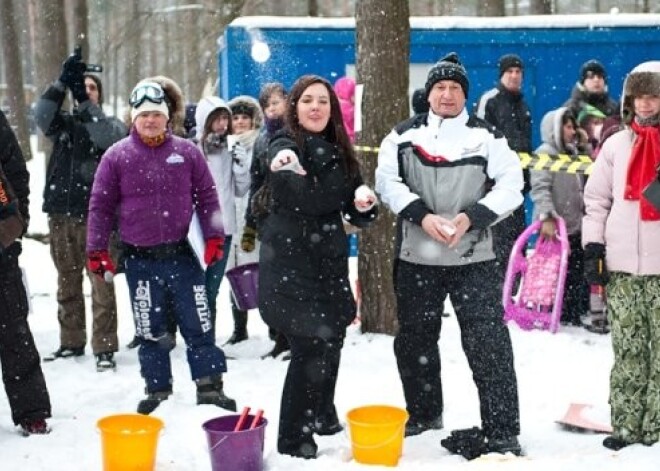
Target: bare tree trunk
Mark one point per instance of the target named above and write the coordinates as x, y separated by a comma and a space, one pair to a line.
384, 103
132, 45
312, 8
540, 7
491, 8
50, 47
14, 76
647, 6
80, 35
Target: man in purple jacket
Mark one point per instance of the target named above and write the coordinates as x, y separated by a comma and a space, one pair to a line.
150, 183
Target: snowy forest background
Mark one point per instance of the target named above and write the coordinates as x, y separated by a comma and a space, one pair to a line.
178, 38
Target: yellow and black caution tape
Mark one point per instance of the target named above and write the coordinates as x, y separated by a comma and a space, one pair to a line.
556, 162
553, 162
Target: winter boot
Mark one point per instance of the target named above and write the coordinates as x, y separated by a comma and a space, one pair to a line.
105, 361
504, 445
135, 343
281, 346
210, 391
65, 352
147, 405
615, 443
415, 427
34, 427
240, 326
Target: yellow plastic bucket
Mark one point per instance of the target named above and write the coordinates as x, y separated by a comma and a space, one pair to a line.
129, 442
377, 434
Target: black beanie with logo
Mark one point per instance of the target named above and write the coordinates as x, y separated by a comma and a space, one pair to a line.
448, 68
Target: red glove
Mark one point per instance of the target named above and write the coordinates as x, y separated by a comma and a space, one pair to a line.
214, 250
99, 263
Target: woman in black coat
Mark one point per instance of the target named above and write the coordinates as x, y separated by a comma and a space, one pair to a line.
21, 368
304, 289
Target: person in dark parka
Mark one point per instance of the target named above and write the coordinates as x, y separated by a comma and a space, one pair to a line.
21, 370
79, 139
304, 289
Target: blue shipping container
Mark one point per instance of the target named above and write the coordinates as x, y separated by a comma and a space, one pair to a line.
255, 50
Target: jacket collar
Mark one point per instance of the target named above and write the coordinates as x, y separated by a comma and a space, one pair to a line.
456, 122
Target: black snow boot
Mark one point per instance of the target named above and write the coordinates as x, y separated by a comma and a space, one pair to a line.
240, 326
210, 391
281, 346
147, 405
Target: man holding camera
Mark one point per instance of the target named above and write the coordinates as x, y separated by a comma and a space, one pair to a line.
79, 140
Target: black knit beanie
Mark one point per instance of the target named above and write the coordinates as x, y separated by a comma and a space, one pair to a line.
448, 68
594, 67
509, 60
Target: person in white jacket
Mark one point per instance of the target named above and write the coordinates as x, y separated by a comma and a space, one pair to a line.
230, 169
621, 235
435, 171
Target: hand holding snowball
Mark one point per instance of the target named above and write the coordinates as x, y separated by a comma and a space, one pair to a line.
286, 159
365, 198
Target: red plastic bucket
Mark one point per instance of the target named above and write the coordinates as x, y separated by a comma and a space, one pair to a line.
235, 451
244, 281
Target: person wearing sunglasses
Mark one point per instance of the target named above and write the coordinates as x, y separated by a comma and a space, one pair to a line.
149, 184
79, 137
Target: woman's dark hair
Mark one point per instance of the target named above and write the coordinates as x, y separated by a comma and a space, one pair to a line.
268, 90
209, 121
569, 116
99, 85
335, 132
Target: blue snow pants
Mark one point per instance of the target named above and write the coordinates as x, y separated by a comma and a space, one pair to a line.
174, 283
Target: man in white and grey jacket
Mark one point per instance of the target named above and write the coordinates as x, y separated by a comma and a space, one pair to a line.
433, 172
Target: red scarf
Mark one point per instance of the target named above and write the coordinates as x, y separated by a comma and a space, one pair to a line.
642, 166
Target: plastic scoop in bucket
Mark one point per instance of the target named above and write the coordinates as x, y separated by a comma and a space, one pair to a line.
377, 434
129, 442
235, 445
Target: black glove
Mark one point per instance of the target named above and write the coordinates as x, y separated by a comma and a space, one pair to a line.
73, 69
470, 443
78, 89
595, 270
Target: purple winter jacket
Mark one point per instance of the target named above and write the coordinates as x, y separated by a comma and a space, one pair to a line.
152, 191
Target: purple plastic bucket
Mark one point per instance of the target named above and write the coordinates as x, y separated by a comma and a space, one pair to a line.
235, 451
244, 281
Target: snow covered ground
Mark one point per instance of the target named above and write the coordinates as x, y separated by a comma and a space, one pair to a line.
553, 371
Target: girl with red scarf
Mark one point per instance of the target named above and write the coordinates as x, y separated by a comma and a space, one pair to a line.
620, 234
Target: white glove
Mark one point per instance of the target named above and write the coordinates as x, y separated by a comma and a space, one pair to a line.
365, 198
240, 158
286, 159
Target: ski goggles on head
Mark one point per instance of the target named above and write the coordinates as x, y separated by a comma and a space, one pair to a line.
150, 91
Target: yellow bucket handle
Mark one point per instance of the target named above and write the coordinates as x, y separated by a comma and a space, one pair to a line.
396, 435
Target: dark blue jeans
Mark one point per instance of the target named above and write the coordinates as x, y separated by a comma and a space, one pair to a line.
173, 285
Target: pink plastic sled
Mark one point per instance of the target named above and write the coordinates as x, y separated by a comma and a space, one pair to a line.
542, 278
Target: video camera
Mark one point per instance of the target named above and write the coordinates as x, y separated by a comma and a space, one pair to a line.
95, 68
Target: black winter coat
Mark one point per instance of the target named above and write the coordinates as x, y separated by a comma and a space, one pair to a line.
304, 288
14, 168
79, 141
509, 113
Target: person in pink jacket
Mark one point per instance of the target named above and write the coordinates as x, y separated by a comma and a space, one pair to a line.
621, 238
345, 90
